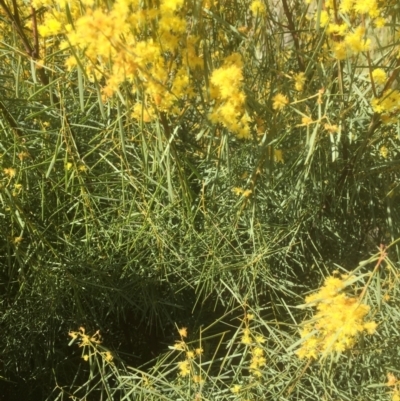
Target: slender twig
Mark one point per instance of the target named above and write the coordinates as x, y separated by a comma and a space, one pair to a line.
18, 27
35, 33
10, 120
293, 32
382, 256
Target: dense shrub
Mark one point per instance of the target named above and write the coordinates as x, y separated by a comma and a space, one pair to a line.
202, 165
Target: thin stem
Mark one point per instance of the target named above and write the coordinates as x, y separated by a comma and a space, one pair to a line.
293, 32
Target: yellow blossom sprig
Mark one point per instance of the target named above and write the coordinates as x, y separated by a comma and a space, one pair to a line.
85, 339
339, 319
90, 344
186, 367
254, 341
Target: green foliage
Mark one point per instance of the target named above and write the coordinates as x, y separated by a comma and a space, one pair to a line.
136, 227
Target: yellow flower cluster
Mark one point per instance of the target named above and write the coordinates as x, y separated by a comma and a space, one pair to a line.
254, 341
279, 101
10, 172
91, 344
299, 81
379, 76
186, 367
389, 102
337, 322
359, 7
257, 361
55, 19
149, 47
346, 42
352, 44
258, 7
230, 99
395, 383
85, 339
384, 151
